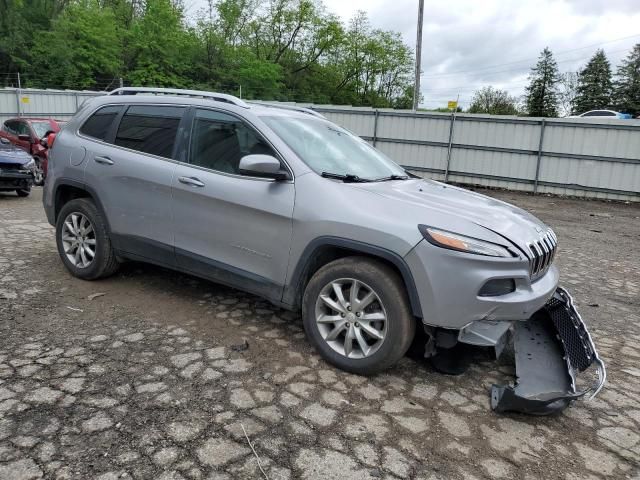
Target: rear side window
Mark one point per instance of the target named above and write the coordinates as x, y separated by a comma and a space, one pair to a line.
98, 124
150, 129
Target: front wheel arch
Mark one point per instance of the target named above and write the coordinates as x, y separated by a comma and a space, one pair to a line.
326, 249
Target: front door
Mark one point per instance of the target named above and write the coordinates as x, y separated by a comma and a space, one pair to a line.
229, 227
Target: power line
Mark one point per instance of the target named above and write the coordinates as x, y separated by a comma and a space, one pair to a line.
531, 58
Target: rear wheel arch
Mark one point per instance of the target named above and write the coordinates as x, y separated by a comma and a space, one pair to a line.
323, 250
67, 190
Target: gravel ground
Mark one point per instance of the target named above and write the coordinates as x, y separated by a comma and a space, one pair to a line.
150, 380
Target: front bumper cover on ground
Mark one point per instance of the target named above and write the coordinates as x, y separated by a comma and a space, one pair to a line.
551, 349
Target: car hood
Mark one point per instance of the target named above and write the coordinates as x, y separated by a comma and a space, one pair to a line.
459, 210
11, 154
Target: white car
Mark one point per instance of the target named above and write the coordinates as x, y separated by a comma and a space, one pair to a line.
603, 113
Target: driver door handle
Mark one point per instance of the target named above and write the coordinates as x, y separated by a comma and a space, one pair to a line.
103, 160
193, 181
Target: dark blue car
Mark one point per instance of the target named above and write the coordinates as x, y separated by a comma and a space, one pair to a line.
17, 169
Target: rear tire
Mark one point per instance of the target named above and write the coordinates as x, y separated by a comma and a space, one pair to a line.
81, 228
371, 338
23, 192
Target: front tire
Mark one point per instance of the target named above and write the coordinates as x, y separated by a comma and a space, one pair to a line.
38, 176
83, 241
357, 315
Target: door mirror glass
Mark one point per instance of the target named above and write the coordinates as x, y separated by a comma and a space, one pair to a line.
259, 165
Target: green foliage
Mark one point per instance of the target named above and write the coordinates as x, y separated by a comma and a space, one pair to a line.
542, 92
82, 45
594, 86
274, 49
494, 102
627, 84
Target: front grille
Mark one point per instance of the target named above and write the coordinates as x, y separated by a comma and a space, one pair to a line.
572, 333
541, 253
10, 167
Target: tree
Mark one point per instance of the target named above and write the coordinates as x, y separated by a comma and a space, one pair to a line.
567, 92
82, 50
594, 87
627, 84
494, 102
542, 92
161, 47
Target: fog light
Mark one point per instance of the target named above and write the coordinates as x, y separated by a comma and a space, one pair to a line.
498, 286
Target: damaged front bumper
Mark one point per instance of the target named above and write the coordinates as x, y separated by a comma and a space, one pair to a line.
551, 349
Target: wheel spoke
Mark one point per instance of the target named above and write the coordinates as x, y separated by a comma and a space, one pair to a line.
372, 332
353, 295
373, 317
69, 226
90, 241
348, 340
74, 222
88, 251
76, 256
337, 289
329, 318
332, 304
366, 301
333, 334
362, 343
67, 237
83, 257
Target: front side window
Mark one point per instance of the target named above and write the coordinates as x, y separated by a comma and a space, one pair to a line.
99, 124
327, 148
150, 129
219, 141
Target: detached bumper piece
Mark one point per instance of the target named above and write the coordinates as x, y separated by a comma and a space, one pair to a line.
551, 348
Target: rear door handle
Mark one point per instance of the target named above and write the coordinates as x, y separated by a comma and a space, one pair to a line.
194, 182
103, 160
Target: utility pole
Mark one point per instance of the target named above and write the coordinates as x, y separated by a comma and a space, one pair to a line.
416, 84
18, 95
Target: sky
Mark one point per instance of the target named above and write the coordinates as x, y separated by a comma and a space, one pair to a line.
468, 44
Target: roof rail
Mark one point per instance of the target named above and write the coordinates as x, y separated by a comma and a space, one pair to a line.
218, 97
289, 107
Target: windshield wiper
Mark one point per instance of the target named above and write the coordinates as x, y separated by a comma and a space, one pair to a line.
346, 178
392, 177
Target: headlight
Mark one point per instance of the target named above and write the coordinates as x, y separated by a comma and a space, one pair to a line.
30, 165
455, 241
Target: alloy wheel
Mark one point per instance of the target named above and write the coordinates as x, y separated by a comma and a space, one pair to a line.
79, 240
351, 318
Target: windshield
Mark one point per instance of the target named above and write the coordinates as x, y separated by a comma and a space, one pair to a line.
327, 148
41, 128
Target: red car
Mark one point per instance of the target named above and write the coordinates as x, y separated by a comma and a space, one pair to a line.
27, 133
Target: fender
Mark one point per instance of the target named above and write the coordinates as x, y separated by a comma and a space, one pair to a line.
62, 182
294, 289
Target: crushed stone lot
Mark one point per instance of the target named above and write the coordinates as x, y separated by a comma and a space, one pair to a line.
153, 380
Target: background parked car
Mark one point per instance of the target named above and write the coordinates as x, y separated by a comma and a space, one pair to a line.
26, 134
17, 169
604, 114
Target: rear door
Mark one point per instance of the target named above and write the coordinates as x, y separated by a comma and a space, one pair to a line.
131, 172
229, 227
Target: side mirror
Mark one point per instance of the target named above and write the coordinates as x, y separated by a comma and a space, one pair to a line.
24, 137
4, 141
44, 141
264, 166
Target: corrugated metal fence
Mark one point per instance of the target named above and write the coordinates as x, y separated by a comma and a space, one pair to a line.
589, 158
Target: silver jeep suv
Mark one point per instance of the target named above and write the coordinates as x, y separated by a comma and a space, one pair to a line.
280, 202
